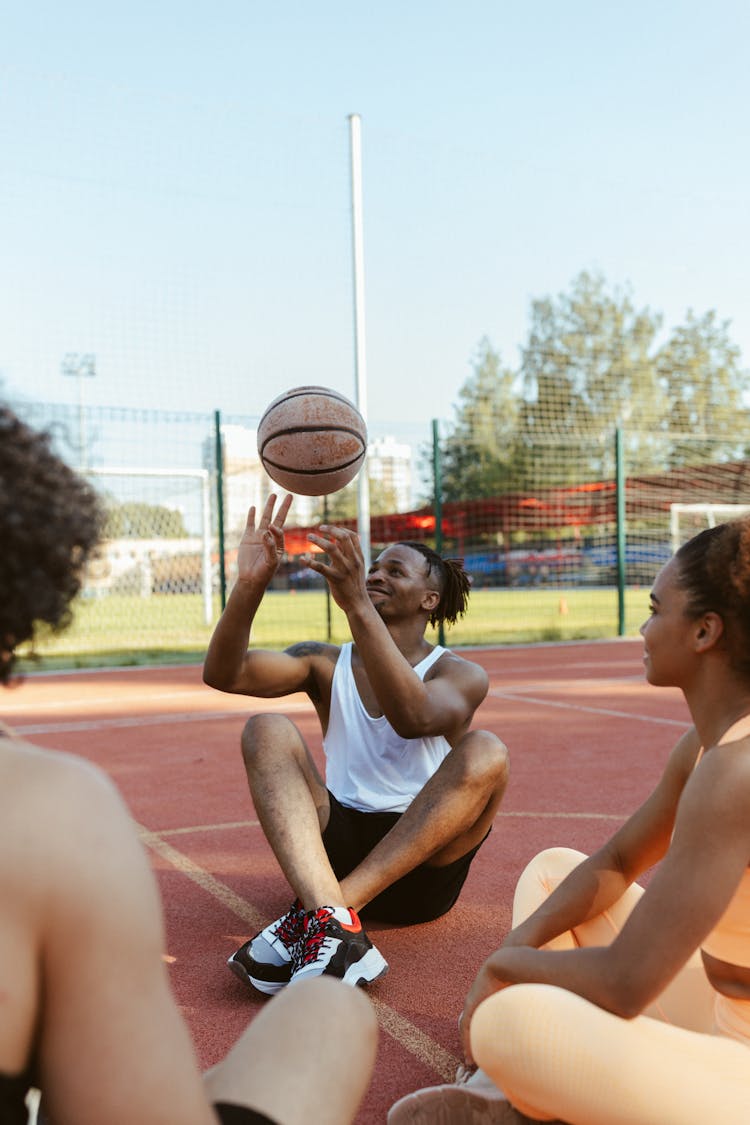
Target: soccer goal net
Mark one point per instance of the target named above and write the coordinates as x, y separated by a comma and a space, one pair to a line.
686, 520
157, 541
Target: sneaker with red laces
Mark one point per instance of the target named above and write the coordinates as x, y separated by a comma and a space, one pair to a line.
266, 961
334, 944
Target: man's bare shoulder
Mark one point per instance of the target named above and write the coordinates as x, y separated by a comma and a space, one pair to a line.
321, 660
449, 658
470, 676
326, 653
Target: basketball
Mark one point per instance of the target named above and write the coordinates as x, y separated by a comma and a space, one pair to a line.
312, 441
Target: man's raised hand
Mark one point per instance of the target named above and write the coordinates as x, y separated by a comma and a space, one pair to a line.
345, 571
261, 548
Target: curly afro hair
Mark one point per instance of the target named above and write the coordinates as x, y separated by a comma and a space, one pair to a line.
50, 523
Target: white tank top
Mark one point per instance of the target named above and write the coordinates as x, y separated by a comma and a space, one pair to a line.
368, 766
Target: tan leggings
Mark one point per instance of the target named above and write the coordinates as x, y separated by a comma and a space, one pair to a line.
556, 1055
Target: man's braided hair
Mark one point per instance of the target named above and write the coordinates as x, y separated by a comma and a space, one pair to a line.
452, 581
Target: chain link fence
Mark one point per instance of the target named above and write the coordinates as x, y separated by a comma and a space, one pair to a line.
568, 552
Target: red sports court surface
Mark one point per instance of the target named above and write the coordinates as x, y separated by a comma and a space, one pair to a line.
587, 737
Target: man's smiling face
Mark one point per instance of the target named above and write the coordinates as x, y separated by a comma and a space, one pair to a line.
399, 582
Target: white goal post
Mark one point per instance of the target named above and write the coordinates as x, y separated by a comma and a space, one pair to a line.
203, 477
711, 513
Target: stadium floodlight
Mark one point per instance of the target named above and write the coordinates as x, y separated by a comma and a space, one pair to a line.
80, 366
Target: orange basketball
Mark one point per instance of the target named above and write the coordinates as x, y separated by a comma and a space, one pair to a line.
312, 441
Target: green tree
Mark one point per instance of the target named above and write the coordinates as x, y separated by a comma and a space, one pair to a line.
480, 452
702, 379
587, 367
591, 364
138, 520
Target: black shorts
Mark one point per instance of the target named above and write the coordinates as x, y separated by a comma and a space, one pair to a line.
421, 895
238, 1115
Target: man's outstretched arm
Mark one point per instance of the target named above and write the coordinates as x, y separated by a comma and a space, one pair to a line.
229, 666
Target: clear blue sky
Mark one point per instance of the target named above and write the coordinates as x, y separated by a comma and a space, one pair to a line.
174, 187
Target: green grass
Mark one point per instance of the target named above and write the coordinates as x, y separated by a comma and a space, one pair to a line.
169, 628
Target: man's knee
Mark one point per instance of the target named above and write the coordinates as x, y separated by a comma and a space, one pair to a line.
484, 759
264, 735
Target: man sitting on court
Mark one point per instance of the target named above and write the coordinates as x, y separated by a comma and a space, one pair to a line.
411, 791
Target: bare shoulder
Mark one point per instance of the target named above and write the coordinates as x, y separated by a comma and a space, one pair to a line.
685, 754
471, 675
321, 661
76, 804
726, 767
315, 650
54, 781
717, 795
322, 657
453, 662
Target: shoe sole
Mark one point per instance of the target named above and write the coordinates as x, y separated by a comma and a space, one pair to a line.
454, 1105
267, 987
368, 969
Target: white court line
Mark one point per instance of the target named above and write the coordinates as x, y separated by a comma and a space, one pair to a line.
230, 825
563, 815
137, 721
609, 665
104, 701
205, 691
519, 697
190, 829
163, 719
426, 1049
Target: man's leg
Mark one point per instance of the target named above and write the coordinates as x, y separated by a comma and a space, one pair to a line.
319, 934
291, 801
451, 815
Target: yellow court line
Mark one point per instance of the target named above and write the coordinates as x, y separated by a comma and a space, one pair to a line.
418, 1043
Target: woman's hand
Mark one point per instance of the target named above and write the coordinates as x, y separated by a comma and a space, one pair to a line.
485, 984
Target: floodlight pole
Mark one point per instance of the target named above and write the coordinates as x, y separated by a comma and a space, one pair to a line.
360, 366
81, 366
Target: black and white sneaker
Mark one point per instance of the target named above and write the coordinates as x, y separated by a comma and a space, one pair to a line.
266, 961
334, 944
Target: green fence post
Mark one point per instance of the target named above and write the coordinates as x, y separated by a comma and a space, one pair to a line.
620, 510
219, 454
438, 490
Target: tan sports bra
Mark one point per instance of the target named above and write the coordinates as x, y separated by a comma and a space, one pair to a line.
730, 938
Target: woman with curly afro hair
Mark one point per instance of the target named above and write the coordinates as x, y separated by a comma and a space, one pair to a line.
50, 522
86, 1009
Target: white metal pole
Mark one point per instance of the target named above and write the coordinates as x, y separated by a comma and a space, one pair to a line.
81, 423
360, 365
